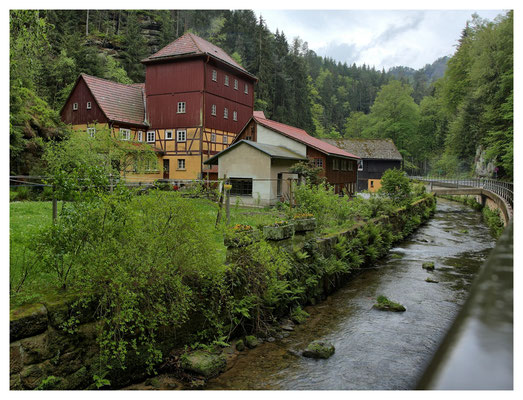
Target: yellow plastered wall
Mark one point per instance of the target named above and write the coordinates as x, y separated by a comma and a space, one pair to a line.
192, 167
374, 185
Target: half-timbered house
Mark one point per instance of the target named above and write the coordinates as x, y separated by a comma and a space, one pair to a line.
194, 102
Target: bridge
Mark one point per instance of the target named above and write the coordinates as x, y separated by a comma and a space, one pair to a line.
490, 192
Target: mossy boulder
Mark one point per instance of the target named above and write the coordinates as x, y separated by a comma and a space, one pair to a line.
319, 349
27, 321
251, 341
385, 304
204, 363
429, 266
240, 346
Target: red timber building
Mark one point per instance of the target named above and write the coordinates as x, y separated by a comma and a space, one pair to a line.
194, 102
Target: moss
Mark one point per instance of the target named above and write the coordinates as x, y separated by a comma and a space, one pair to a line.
319, 349
430, 280
251, 341
204, 363
240, 346
429, 266
299, 316
384, 304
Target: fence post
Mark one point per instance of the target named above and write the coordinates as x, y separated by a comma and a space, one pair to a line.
228, 205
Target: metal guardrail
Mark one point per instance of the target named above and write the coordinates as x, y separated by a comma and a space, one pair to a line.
505, 190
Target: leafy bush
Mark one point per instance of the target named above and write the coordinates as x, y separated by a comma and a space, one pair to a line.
396, 186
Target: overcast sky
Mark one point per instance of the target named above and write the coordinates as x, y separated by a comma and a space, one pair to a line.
375, 37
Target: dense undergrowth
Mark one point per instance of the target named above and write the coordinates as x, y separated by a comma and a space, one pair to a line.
156, 260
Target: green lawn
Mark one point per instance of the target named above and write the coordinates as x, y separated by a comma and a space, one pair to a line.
28, 217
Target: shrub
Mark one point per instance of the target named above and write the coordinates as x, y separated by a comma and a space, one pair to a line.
396, 186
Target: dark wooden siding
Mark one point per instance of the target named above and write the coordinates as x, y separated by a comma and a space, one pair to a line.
185, 75
374, 169
338, 176
249, 130
313, 154
218, 121
218, 87
81, 95
162, 110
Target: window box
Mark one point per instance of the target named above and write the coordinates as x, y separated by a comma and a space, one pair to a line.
280, 232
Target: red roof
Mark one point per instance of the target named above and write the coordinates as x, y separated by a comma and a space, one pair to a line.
301, 136
118, 101
259, 114
190, 44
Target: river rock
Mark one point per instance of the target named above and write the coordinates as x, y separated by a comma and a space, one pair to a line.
251, 341
204, 363
430, 280
287, 325
429, 266
319, 349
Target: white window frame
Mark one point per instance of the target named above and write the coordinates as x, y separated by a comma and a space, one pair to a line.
213, 137
75, 106
181, 135
149, 135
88, 105
318, 162
214, 75
234, 116
181, 164
226, 80
246, 90
225, 139
181, 107
125, 134
225, 113
140, 136
91, 131
236, 84
169, 134
360, 165
213, 110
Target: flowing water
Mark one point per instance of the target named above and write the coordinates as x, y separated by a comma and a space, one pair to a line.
376, 349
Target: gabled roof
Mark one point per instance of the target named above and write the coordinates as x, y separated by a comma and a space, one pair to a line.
269, 149
259, 114
118, 101
191, 45
377, 149
303, 137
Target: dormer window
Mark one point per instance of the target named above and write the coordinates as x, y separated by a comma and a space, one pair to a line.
75, 106
88, 105
226, 80
235, 84
214, 75
181, 107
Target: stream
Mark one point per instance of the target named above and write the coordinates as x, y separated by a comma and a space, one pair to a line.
377, 350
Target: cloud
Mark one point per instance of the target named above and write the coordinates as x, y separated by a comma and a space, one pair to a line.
393, 31
344, 52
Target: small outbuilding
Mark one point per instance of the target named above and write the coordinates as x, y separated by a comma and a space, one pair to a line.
259, 161
376, 156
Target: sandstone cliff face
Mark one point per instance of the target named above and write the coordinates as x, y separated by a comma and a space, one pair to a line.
482, 167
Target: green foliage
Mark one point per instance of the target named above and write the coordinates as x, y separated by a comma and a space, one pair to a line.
396, 186
308, 171
494, 221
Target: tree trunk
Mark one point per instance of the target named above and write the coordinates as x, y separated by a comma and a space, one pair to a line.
87, 24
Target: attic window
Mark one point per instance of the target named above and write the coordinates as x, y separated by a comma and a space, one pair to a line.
235, 116
226, 80
88, 105
213, 109
225, 113
236, 84
214, 75
181, 107
246, 90
75, 106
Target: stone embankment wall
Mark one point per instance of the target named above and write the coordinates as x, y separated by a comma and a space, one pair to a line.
46, 353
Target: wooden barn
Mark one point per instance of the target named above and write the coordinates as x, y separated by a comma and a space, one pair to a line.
377, 156
259, 160
194, 102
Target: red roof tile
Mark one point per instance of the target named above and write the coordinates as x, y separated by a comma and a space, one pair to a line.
118, 101
301, 136
190, 44
259, 114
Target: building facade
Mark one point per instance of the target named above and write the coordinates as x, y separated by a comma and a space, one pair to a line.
194, 102
377, 156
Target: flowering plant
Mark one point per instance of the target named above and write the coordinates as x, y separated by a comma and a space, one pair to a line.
303, 216
280, 223
241, 228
